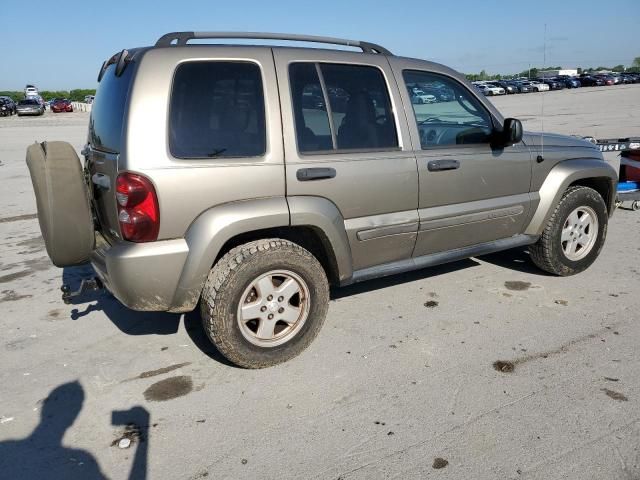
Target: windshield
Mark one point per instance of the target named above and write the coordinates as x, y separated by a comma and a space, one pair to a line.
28, 102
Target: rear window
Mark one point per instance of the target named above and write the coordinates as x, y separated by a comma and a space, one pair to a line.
108, 109
217, 110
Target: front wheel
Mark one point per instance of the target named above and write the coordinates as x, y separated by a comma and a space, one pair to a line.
264, 302
574, 235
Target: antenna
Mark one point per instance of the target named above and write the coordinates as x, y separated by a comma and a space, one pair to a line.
544, 68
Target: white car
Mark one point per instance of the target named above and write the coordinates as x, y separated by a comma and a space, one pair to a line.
30, 91
489, 90
419, 96
539, 87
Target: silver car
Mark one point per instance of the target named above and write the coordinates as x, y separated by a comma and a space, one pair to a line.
245, 180
29, 106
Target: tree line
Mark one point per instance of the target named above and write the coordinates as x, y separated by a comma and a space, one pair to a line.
76, 95
534, 71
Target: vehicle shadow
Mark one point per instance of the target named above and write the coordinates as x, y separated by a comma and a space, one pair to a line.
401, 278
127, 321
517, 259
161, 323
132, 322
42, 454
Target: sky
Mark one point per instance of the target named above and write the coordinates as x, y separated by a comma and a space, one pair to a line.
63, 45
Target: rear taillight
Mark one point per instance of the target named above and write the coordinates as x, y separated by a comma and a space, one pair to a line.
138, 211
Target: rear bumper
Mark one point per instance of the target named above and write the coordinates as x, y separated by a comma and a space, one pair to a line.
143, 276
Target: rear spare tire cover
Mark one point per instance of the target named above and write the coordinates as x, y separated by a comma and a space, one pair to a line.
63, 202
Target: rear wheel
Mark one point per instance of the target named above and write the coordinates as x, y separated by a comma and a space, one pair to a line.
264, 302
574, 235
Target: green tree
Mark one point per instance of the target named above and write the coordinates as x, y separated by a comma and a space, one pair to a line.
636, 62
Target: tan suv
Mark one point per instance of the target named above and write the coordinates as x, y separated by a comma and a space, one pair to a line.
250, 178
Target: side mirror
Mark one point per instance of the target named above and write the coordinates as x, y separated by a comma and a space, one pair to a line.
511, 132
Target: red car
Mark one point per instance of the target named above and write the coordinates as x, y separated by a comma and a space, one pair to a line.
61, 105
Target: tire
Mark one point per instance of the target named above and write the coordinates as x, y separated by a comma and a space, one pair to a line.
230, 285
62, 199
549, 252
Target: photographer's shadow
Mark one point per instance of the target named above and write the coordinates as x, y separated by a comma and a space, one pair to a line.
41, 454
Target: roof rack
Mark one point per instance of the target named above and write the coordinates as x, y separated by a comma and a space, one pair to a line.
181, 38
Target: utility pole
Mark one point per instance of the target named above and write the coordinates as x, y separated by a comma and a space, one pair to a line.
529, 77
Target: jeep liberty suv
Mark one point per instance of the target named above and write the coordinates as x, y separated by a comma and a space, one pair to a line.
247, 179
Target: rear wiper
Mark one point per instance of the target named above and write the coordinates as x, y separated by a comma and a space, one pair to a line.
217, 152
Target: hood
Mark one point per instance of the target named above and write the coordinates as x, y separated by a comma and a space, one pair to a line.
557, 140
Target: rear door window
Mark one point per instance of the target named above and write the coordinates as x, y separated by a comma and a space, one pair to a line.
217, 110
108, 110
341, 107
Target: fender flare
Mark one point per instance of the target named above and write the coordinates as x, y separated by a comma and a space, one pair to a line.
558, 180
321, 213
211, 230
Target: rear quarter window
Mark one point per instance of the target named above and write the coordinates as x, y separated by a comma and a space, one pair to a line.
217, 110
108, 110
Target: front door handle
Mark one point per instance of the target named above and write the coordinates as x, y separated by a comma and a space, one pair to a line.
441, 165
308, 174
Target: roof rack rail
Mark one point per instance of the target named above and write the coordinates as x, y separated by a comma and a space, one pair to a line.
181, 38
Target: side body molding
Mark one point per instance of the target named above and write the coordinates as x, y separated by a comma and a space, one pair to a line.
323, 214
211, 230
559, 178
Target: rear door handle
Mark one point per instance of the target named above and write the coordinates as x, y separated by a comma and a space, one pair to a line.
440, 165
308, 174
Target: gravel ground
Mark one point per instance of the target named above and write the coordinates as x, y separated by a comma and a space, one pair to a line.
401, 383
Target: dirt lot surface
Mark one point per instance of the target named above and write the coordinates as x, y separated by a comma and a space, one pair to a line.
481, 369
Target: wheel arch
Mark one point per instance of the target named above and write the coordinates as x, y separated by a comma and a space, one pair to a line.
312, 222
593, 173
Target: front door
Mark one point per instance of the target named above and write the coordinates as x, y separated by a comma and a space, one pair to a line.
347, 143
470, 192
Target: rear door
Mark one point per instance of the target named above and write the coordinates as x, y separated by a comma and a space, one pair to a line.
470, 192
346, 140
105, 143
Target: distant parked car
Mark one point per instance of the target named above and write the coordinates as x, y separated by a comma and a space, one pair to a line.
89, 98
61, 105
553, 84
569, 82
537, 86
522, 88
508, 88
30, 91
419, 96
617, 79
606, 79
7, 106
29, 106
490, 90
631, 77
591, 81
